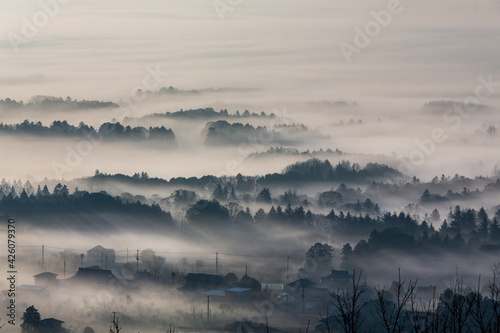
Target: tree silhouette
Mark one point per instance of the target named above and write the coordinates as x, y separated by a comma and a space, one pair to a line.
30, 318
319, 256
264, 196
348, 302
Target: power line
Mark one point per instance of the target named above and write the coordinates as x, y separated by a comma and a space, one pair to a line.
175, 253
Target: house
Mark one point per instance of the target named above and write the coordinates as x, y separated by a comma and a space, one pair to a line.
194, 281
94, 275
300, 284
272, 286
215, 293
336, 279
250, 283
104, 258
45, 279
29, 293
51, 325
30, 287
239, 294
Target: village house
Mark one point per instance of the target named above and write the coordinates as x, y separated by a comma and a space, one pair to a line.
51, 325
96, 276
45, 279
196, 281
104, 258
336, 279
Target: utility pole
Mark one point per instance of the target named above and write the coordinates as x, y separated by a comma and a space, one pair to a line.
246, 270
208, 310
43, 258
137, 259
65, 268
217, 263
127, 255
287, 265
303, 299
106, 261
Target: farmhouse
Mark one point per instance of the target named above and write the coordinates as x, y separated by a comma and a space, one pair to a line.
104, 258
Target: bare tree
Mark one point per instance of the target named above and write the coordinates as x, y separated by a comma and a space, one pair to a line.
480, 310
494, 290
393, 313
348, 304
423, 316
234, 208
454, 307
153, 264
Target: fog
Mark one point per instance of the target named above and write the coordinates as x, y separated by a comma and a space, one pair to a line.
235, 136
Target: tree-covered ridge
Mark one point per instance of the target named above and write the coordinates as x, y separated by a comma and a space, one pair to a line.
208, 113
285, 151
106, 130
59, 208
298, 129
221, 132
442, 106
176, 91
428, 198
317, 170
50, 102
464, 230
310, 170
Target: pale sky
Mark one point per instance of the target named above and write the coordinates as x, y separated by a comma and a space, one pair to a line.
88, 49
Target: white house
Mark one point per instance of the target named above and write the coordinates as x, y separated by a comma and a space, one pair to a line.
99, 256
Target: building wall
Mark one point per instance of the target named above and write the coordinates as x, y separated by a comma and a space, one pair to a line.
99, 258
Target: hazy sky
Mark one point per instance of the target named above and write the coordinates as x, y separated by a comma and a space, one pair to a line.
96, 49
426, 50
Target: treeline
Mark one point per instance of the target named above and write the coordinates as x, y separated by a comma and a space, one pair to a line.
439, 107
49, 102
106, 130
310, 170
207, 113
465, 230
284, 151
317, 170
256, 189
465, 194
175, 91
223, 133
81, 210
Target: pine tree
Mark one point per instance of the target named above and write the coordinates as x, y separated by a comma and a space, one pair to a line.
346, 254
494, 230
264, 196
484, 222
31, 319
